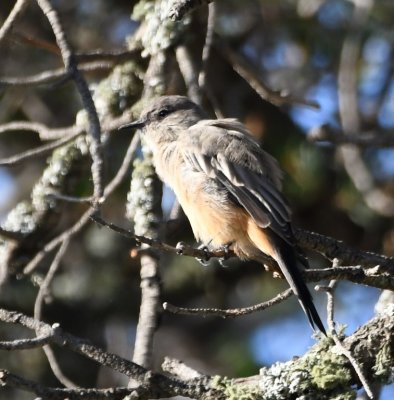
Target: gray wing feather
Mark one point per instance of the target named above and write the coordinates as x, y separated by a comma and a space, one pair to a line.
249, 174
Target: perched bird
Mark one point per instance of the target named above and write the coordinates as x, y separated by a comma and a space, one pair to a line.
229, 188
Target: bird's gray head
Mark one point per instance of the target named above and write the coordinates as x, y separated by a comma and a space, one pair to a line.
170, 113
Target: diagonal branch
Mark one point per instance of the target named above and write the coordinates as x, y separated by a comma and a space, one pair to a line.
83, 89
155, 384
39, 151
19, 7
84, 219
55, 76
252, 77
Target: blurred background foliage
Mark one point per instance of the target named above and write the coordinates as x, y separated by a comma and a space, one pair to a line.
295, 46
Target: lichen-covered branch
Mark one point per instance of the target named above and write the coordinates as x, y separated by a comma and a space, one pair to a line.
86, 97
333, 248
144, 209
321, 374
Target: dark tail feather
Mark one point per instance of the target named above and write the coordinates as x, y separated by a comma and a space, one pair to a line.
287, 261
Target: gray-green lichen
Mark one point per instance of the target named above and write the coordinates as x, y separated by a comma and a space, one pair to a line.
112, 96
27, 216
159, 32
383, 367
322, 374
145, 192
23, 218
236, 391
119, 90
55, 174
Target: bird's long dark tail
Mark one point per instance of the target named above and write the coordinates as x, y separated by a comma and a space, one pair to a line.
285, 256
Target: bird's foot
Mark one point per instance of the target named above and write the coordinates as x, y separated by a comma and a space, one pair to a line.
204, 261
226, 256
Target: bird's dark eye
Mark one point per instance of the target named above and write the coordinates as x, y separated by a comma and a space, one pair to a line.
163, 113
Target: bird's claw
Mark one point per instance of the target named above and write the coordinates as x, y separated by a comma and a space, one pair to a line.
226, 249
226, 256
205, 260
180, 246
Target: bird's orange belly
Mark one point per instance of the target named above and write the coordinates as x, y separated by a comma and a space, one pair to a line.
212, 222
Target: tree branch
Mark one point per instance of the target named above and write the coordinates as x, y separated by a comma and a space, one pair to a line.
324, 373
333, 248
352, 159
370, 268
154, 385
253, 79
83, 89
234, 312
9, 379
39, 151
326, 133
144, 209
18, 8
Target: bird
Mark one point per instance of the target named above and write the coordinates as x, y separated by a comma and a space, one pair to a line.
228, 186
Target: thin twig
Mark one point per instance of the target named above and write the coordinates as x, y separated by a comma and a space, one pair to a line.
44, 286
252, 77
70, 199
39, 151
117, 55
180, 249
18, 8
325, 133
86, 97
206, 51
189, 72
42, 293
43, 131
84, 219
23, 344
46, 133
124, 168
232, 312
343, 350
57, 241
55, 76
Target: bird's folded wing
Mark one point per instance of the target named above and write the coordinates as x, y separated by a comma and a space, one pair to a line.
251, 185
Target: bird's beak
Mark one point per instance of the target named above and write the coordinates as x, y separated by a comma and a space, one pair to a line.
140, 123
